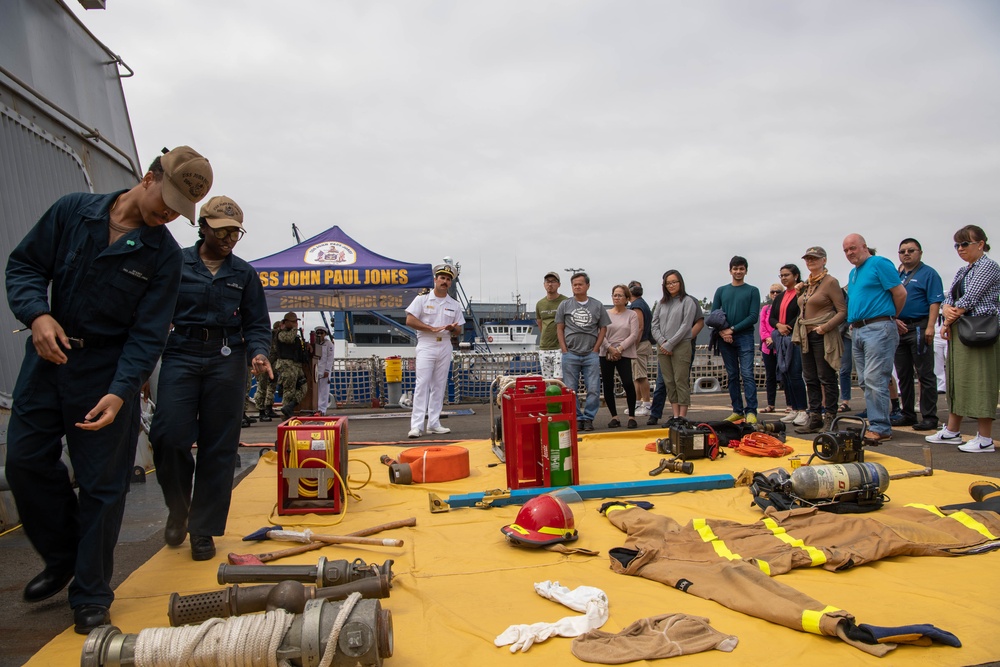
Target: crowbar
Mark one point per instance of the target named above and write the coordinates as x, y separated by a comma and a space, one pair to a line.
501, 497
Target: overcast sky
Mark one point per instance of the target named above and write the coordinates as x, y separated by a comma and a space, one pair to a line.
623, 137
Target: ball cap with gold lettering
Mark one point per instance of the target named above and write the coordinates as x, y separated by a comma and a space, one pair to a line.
187, 178
815, 251
221, 211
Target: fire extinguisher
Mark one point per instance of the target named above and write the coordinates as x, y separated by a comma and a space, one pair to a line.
559, 442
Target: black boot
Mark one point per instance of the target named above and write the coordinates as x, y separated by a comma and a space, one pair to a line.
262, 416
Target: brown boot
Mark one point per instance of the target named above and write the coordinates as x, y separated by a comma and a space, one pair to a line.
827, 423
814, 424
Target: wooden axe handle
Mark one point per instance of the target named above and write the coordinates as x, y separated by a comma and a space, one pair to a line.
350, 539
275, 555
282, 553
402, 523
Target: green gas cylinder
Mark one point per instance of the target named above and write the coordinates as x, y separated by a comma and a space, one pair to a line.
559, 441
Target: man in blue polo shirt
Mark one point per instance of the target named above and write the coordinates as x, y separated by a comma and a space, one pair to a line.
924, 294
875, 299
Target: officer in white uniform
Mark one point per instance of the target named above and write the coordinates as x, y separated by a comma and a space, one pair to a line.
437, 318
323, 354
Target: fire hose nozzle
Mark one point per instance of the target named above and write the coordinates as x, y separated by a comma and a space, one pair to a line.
673, 465
288, 595
324, 573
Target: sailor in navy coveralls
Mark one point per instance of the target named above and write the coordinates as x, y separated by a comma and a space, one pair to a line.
221, 325
114, 271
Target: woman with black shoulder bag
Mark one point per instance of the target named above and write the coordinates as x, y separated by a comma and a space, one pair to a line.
970, 311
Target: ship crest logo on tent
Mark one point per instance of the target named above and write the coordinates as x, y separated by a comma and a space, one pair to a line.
331, 252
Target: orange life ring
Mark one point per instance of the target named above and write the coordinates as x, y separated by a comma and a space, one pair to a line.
436, 464
489, 339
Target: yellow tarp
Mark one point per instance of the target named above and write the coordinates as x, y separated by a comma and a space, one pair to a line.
458, 584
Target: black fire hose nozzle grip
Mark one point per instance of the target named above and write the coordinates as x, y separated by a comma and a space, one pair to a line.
673, 465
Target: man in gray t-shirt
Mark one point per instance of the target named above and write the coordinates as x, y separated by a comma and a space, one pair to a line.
581, 323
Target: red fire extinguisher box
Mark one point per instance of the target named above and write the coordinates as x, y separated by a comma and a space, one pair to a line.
312, 465
526, 414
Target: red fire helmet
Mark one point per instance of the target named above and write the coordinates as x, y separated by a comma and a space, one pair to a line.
542, 521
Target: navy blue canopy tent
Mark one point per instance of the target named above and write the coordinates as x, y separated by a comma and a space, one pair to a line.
332, 271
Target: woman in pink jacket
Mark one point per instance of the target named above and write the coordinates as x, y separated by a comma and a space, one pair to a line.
617, 352
767, 354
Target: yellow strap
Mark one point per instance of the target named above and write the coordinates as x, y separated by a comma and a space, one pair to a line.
960, 517
810, 619
708, 535
615, 508
816, 555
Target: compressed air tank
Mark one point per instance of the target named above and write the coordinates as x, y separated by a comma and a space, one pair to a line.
831, 480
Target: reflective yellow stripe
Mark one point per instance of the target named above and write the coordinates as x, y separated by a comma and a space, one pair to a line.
810, 619
615, 508
816, 555
960, 517
544, 530
708, 535
930, 508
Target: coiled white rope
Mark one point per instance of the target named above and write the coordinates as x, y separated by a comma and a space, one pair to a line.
338, 623
241, 641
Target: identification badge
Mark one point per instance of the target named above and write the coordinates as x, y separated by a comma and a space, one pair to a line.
226, 350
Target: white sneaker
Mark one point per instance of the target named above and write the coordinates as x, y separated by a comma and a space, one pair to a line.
942, 438
978, 444
414, 433
641, 411
790, 417
439, 430
802, 418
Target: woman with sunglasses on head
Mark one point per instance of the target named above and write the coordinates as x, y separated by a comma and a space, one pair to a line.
817, 332
767, 354
784, 314
221, 326
973, 376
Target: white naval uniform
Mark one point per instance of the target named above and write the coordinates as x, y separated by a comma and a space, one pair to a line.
324, 367
433, 357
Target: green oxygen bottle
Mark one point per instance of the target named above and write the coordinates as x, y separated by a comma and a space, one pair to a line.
560, 449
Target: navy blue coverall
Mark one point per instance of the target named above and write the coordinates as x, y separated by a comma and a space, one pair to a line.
201, 392
117, 300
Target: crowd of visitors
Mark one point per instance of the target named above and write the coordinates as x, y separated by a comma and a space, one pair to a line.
891, 324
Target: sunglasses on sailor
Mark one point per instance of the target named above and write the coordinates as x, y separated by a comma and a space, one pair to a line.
776, 291
908, 251
965, 244
234, 234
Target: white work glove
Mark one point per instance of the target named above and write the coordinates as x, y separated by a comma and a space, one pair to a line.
588, 599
